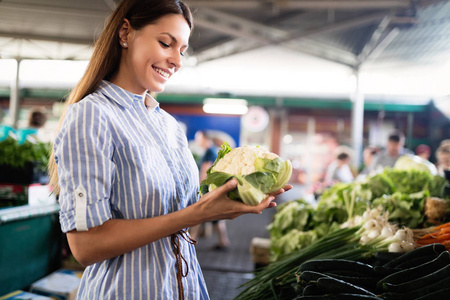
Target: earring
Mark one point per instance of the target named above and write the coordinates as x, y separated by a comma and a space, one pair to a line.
125, 44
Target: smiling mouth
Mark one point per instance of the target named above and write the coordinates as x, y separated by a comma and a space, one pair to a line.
163, 73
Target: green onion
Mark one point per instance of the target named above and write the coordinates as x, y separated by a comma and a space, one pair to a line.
277, 278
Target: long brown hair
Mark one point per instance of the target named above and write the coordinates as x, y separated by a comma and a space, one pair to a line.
105, 59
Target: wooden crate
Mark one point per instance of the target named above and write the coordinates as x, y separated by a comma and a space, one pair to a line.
260, 251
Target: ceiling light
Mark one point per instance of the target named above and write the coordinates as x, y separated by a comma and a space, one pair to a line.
228, 106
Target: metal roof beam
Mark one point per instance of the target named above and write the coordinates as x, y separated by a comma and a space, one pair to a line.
272, 36
345, 4
339, 26
58, 39
236, 26
374, 39
382, 44
304, 4
59, 10
321, 50
234, 46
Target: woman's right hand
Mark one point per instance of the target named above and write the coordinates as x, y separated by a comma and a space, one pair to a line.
215, 205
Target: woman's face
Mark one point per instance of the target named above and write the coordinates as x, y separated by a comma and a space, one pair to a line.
152, 55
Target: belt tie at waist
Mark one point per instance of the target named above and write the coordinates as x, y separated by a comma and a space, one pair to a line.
175, 240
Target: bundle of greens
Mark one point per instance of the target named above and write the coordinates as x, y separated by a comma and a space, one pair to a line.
294, 214
404, 209
408, 181
293, 228
18, 155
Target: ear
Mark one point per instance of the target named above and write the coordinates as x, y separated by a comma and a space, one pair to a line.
124, 32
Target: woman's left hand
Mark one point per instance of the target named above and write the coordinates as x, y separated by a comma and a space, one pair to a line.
216, 205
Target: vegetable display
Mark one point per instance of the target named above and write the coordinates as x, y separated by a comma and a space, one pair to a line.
278, 279
369, 239
258, 172
408, 196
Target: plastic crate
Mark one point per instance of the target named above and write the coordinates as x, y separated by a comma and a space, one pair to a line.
30, 245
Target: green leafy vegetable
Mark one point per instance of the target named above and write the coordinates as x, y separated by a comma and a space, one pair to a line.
408, 181
404, 209
17, 156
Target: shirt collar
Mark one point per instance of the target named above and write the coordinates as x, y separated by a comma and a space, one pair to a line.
125, 98
117, 94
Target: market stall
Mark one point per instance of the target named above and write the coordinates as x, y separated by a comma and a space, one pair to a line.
382, 237
30, 235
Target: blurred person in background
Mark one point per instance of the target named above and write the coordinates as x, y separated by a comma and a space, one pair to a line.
126, 180
423, 151
212, 144
393, 150
205, 161
209, 156
443, 158
339, 169
445, 142
367, 157
36, 121
199, 145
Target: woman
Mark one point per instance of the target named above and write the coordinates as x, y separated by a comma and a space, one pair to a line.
127, 182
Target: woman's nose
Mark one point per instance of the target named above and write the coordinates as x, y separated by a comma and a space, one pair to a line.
176, 59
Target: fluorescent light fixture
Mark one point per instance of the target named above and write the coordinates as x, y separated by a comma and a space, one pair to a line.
228, 106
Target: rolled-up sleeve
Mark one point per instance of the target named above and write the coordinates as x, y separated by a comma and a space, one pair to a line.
83, 153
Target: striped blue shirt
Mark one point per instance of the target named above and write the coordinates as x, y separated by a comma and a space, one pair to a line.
118, 159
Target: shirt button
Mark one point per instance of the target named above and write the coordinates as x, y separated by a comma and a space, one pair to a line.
80, 195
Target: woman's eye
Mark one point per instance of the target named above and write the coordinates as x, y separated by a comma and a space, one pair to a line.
164, 44
182, 53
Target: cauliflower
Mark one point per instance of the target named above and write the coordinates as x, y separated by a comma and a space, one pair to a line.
241, 160
258, 171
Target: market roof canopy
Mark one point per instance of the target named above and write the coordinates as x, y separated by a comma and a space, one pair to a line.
349, 32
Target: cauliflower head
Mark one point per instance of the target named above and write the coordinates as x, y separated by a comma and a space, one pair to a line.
242, 160
258, 171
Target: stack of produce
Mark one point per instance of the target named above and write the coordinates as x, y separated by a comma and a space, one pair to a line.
351, 244
353, 241
412, 197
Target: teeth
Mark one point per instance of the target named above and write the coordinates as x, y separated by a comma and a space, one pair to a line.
165, 74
